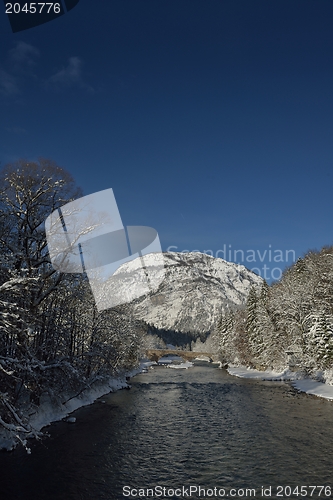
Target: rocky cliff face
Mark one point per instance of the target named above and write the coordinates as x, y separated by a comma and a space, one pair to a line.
195, 290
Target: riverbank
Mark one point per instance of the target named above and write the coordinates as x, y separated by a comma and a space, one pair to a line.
298, 380
55, 409
52, 409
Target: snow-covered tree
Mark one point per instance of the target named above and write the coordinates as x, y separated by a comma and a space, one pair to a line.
52, 339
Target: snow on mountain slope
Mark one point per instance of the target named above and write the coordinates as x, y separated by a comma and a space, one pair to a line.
195, 290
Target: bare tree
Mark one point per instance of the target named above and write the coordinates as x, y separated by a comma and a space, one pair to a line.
52, 338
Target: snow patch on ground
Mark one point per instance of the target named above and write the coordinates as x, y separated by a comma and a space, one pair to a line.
301, 383
143, 365
203, 358
185, 365
313, 387
243, 372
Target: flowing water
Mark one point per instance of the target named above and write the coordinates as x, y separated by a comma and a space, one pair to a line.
182, 428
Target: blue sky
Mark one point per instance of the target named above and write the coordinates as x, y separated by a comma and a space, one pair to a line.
211, 120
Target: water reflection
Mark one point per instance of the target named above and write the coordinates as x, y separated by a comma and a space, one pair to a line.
179, 427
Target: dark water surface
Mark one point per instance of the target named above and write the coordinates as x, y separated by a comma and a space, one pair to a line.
178, 428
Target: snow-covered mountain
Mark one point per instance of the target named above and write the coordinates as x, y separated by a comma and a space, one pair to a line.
195, 289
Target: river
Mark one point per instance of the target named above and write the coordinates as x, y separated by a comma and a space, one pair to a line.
177, 428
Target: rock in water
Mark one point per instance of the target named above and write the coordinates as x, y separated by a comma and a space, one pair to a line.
70, 420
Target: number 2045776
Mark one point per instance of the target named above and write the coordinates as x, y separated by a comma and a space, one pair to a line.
33, 8
303, 491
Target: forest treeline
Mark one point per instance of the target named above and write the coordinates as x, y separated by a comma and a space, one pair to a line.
289, 323
52, 339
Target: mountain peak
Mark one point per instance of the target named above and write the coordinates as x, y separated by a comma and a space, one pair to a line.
196, 289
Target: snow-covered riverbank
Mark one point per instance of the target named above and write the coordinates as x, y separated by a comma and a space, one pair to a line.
297, 380
48, 412
58, 408
55, 409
